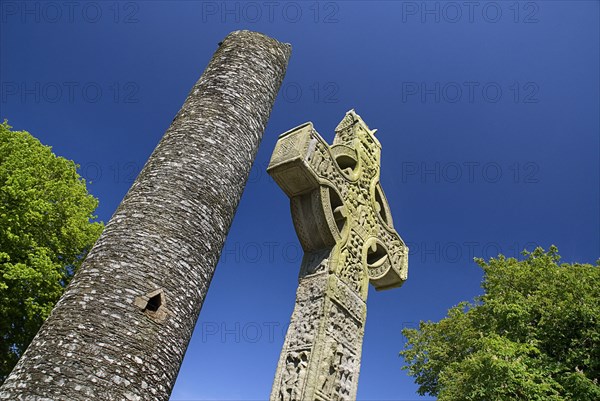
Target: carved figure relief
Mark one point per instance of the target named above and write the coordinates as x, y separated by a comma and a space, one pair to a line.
292, 378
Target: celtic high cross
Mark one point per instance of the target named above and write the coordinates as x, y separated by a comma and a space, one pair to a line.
344, 225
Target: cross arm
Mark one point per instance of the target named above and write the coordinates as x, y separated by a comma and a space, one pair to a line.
386, 259
302, 160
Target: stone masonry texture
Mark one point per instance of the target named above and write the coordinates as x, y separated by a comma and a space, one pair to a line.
122, 327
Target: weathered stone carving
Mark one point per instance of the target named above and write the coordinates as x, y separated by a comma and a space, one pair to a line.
121, 329
344, 224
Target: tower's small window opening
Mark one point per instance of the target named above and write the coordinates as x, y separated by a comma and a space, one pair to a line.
154, 303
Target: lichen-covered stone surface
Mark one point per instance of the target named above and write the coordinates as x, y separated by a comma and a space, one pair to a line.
122, 327
344, 224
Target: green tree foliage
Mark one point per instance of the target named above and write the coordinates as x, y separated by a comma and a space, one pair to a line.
45, 233
533, 335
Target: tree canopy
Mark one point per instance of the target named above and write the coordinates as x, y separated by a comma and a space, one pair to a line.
533, 335
46, 230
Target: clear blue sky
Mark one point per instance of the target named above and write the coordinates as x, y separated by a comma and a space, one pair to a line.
488, 114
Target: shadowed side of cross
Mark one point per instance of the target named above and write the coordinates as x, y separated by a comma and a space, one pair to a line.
339, 210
